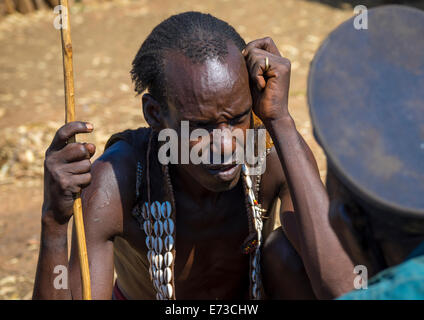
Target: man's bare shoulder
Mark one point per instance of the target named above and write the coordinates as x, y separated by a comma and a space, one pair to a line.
111, 194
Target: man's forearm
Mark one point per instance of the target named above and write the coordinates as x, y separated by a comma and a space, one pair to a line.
326, 263
51, 280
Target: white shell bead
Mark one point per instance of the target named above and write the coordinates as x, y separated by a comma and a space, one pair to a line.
145, 212
168, 259
156, 275
166, 209
150, 256
167, 275
155, 210
258, 294
158, 244
159, 296
156, 284
154, 269
258, 224
251, 202
158, 261
168, 225
251, 194
167, 290
254, 274
258, 254
158, 228
159, 275
248, 182
163, 290
169, 243
147, 227
255, 261
255, 291
258, 215
149, 242
258, 264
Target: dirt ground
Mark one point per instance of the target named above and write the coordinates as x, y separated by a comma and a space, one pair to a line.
106, 36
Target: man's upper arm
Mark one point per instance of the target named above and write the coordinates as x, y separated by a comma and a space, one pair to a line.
285, 196
287, 210
104, 202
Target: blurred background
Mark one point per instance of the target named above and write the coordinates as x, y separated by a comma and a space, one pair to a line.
106, 36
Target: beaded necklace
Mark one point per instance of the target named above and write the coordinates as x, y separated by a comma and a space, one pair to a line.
157, 220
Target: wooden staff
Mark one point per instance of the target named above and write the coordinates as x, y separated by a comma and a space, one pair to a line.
70, 116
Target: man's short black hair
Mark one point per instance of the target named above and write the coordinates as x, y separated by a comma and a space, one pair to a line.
197, 35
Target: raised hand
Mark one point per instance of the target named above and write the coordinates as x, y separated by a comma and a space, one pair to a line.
269, 86
66, 171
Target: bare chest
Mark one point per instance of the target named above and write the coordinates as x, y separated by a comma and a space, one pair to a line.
209, 263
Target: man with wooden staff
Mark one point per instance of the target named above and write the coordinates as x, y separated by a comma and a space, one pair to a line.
194, 231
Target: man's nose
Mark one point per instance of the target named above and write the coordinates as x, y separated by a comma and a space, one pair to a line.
223, 144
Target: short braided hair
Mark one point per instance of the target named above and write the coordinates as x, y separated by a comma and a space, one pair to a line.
197, 35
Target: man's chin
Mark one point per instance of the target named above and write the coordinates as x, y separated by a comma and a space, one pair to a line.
215, 184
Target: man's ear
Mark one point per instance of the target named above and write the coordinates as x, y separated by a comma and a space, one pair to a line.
152, 111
